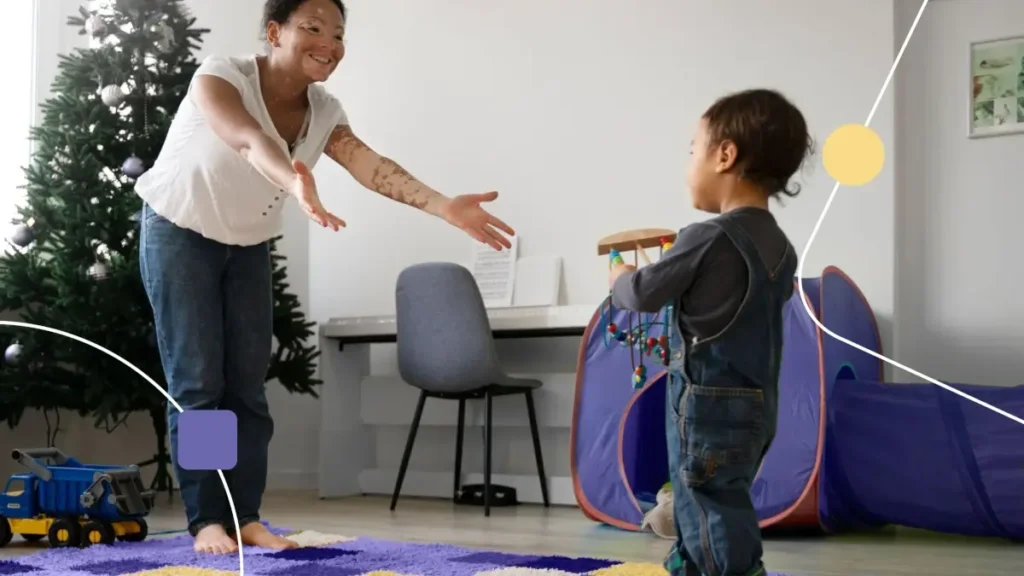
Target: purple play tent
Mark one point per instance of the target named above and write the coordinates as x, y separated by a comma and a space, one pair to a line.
618, 445
851, 451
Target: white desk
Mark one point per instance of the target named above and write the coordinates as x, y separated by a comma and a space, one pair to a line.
345, 363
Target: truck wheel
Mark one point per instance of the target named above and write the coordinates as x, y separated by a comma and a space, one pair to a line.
97, 532
140, 535
65, 533
5, 531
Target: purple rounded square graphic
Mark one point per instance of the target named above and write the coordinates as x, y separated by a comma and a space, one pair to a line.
207, 439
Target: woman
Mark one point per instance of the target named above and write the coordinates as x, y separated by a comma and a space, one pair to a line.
242, 142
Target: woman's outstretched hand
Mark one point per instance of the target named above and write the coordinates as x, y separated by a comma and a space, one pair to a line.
304, 190
465, 213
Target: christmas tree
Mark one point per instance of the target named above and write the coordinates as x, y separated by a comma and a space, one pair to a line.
73, 262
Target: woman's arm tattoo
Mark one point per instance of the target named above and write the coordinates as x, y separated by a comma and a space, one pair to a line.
378, 173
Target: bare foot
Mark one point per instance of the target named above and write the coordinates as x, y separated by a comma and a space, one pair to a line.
256, 534
213, 539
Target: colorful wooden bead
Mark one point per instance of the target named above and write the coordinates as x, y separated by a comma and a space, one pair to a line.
638, 381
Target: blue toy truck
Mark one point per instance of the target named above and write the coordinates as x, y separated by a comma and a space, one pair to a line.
73, 504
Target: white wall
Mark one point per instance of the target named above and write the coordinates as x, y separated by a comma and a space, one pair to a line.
580, 113
50, 39
959, 309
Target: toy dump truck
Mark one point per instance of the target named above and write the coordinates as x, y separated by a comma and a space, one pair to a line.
73, 504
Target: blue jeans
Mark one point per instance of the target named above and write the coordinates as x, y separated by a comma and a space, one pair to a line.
717, 437
213, 310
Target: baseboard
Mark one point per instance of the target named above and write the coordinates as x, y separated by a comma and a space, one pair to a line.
439, 485
292, 479
276, 480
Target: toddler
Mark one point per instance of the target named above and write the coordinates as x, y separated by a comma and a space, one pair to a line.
728, 279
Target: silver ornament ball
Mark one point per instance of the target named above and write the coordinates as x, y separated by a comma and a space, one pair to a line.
98, 271
22, 235
13, 353
164, 44
133, 167
164, 36
95, 25
112, 95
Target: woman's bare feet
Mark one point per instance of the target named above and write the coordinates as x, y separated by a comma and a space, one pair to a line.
213, 539
256, 534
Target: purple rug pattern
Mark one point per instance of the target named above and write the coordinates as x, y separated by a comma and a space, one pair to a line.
358, 557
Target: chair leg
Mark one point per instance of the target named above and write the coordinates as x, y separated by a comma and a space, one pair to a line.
458, 448
408, 448
536, 448
487, 454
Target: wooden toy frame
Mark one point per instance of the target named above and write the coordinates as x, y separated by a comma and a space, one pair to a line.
631, 240
636, 337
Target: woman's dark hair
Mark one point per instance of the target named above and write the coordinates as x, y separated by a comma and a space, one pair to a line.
770, 135
282, 10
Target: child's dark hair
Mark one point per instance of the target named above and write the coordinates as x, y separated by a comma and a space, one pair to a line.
281, 10
770, 135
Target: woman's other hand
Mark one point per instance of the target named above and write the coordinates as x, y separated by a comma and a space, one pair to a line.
304, 190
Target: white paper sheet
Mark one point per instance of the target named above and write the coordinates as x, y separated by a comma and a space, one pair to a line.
538, 280
495, 272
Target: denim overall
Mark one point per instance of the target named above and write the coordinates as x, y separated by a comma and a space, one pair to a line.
721, 419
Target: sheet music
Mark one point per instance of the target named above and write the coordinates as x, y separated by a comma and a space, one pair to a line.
495, 272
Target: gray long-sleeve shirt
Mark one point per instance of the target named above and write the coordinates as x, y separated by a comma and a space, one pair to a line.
703, 274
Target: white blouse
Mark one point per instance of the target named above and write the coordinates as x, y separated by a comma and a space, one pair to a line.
200, 183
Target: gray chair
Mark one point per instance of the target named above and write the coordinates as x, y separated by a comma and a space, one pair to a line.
446, 349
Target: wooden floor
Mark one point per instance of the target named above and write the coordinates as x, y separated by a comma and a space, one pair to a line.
532, 529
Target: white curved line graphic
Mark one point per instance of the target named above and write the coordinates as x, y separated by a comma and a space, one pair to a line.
231, 501
803, 257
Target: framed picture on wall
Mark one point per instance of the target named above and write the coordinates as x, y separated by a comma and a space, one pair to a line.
997, 87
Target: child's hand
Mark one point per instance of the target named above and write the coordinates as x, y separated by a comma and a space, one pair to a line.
617, 270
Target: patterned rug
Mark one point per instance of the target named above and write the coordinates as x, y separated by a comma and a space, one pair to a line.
321, 555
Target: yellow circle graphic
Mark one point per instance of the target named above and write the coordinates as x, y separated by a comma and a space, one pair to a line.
853, 155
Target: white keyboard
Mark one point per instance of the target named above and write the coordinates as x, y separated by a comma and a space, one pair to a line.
514, 318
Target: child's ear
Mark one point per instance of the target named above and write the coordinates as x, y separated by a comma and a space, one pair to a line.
726, 156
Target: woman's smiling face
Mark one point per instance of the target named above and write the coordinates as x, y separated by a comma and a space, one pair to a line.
311, 40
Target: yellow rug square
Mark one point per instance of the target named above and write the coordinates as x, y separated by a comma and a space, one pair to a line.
632, 569
183, 571
523, 572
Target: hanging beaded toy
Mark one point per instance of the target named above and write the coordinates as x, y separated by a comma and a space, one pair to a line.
638, 338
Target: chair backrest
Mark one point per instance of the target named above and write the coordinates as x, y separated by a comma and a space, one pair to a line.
445, 343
